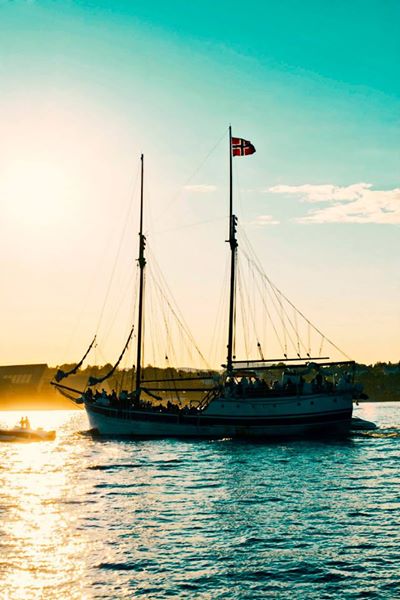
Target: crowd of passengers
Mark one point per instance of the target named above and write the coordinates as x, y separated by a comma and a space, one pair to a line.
289, 385
127, 399
243, 387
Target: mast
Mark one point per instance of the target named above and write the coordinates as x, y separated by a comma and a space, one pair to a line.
142, 264
233, 245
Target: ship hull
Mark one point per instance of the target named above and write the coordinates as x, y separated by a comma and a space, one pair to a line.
290, 417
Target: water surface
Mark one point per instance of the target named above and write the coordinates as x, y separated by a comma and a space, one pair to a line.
86, 518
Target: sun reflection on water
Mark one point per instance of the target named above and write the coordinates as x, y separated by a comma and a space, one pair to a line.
38, 538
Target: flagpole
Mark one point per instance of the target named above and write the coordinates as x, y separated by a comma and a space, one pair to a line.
233, 245
230, 178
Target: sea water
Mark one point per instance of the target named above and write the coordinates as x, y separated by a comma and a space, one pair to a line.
89, 518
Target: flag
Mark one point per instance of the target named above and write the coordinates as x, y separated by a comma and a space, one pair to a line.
242, 147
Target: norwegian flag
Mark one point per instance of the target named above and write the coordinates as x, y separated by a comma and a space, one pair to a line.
242, 147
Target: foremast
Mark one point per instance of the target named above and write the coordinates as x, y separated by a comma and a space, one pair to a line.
142, 265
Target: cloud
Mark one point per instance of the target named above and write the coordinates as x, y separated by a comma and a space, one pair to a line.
262, 220
200, 188
323, 193
356, 203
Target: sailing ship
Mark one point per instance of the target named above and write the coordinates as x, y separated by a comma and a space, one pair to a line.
313, 396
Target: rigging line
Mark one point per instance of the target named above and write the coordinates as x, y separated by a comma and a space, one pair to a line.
283, 314
103, 357
117, 310
168, 346
120, 387
218, 320
176, 312
297, 331
182, 325
144, 325
283, 324
191, 225
234, 336
251, 305
96, 380
60, 374
176, 197
311, 324
271, 320
161, 308
152, 310
243, 310
253, 308
263, 274
125, 226
135, 298
166, 341
291, 323
322, 343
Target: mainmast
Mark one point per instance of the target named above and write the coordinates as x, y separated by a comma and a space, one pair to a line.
142, 264
233, 245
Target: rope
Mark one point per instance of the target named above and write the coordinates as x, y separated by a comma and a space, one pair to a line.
262, 274
178, 194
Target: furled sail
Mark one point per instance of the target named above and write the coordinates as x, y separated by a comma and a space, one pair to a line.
96, 380
62, 374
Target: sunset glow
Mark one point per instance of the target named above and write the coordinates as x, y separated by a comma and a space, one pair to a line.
319, 199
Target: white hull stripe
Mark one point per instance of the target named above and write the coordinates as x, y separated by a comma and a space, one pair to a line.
204, 420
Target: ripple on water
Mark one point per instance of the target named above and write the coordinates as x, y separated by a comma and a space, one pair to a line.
83, 517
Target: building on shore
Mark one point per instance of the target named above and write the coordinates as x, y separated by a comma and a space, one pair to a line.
27, 387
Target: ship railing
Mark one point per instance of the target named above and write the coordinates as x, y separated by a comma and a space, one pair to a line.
205, 401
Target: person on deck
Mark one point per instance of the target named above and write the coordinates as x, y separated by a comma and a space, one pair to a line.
245, 385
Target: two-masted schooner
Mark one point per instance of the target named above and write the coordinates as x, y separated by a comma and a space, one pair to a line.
245, 401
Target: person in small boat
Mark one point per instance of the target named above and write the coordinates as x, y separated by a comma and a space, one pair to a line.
24, 423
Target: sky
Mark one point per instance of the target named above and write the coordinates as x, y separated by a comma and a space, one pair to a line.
86, 87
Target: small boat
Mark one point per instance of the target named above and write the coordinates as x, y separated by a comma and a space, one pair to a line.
23, 432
